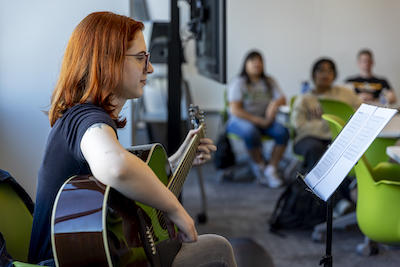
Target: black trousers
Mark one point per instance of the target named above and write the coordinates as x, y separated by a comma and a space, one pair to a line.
312, 149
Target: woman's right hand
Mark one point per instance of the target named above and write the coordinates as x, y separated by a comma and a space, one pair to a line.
263, 122
314, 110
187, 230
272, 110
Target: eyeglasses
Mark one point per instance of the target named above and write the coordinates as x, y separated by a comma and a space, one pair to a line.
143, 56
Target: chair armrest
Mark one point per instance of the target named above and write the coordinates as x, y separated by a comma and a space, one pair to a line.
388, 182
387, 171
23, 264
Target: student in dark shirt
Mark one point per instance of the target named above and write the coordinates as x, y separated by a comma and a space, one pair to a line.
105, 64
369, 87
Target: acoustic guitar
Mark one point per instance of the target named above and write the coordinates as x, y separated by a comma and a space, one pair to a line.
94, 225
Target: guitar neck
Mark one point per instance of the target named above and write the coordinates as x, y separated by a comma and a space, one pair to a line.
178, 178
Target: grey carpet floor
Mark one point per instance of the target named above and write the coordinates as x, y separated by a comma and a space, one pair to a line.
241, 210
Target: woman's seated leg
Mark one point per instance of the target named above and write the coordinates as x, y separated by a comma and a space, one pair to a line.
246, 130
209, 250
311, 149
280, 134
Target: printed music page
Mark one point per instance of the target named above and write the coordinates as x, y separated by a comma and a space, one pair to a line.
347, 149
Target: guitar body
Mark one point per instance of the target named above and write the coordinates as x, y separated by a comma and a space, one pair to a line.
94, 225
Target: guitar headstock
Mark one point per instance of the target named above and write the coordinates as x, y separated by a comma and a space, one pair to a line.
196, 116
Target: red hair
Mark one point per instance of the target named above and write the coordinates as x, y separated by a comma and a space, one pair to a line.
93, 63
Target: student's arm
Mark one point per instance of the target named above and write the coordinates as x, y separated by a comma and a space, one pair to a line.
279, 96
236, 108
112, 165
306, 113
235, 96
273, 107
279, 99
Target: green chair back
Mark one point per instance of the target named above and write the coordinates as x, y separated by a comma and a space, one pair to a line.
378, 198
292, 99
335, 124
376, 152
378, 201
336, 107
15, 223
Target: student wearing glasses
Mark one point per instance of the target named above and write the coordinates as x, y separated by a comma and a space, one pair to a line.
104, 65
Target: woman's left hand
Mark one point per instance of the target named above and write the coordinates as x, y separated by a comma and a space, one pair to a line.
271, 111
204, 150
203, 153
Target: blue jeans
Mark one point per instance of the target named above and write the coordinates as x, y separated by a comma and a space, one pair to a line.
251, 134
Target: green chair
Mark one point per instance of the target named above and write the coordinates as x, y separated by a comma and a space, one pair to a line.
378, 198
376, 153
378, 201
16, 222
336, 107
15, 225
335, 124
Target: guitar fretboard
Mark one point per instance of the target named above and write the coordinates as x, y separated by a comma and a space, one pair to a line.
178, 178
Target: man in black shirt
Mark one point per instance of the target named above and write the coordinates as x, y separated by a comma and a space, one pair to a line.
369, 87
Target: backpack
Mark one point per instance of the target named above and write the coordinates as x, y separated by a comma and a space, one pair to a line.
297, 208
224, 156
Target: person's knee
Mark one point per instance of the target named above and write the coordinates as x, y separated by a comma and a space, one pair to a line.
220, 245
252, 138
317, 148
315, 152
281, 135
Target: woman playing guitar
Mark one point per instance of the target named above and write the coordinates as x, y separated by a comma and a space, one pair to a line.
105, 64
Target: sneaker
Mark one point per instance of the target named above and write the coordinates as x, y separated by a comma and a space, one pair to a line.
271, 179
342, 207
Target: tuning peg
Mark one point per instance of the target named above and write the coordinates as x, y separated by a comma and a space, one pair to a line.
191, 108
201, 115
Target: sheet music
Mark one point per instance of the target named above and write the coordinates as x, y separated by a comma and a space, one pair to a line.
347, 149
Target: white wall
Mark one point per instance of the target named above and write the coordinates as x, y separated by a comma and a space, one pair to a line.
293, 33
34, 35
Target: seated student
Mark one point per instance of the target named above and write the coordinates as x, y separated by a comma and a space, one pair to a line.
369, 87
105, 64
312, 132
254, 99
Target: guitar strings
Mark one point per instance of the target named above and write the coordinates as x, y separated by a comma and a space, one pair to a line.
178, 183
